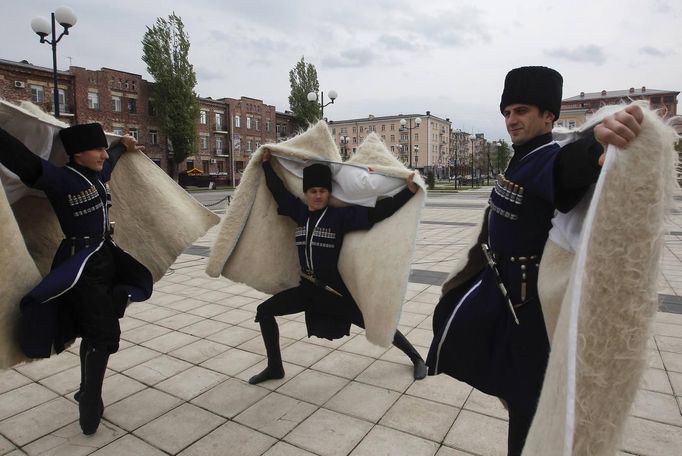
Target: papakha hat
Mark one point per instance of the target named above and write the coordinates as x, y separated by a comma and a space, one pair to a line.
80, 138
534, 85
317, 175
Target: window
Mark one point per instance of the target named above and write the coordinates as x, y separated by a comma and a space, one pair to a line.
134, 133
354, 129
248, 123
190, 164
237, 122
218, 121
257, 124
118, 131
221, 166
204, 164
151, 108
153, 137
392, 127
93, 100
392, 138
203, 139
268, 125
62, 100
249, 145
37, 94
116, 103
416, 136
202, 117
219, 145
383, 128
132, 105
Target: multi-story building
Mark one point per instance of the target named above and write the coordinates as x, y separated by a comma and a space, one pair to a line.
252, 123
422, 141
228, 130
286, 125
575, 110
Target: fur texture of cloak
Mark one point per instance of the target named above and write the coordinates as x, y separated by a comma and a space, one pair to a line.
256, 246
156, 220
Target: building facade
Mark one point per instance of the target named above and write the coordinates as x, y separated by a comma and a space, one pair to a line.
422, 144
576, 110
229, 130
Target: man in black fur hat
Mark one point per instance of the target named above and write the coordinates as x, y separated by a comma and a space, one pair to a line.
488, 328
323, 296
92, 280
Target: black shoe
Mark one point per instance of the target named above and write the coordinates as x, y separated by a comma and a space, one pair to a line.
267, 374
420, 369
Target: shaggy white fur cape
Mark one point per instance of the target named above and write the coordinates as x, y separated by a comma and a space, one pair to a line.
156, 220
256, 246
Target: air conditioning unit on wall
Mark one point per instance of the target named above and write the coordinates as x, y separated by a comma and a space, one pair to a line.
214, 161
20, 84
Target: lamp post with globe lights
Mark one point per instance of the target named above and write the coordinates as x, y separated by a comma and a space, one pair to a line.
42, 27
312, 97
407, 126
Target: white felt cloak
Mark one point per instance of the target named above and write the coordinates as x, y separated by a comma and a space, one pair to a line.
156, 220
256, 246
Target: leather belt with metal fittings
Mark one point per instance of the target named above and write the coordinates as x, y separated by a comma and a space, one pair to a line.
318, 283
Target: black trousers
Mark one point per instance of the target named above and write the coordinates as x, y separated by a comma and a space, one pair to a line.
90, 308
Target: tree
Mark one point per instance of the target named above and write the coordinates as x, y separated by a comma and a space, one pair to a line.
303, 80
165, 51
501, 156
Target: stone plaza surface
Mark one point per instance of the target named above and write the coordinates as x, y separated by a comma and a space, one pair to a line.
178, 384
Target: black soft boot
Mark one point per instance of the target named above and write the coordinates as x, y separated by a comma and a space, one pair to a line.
275, 369
401, 342
90, 405
83, 351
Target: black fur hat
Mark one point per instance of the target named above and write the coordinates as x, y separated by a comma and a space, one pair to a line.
83, 137
317, 175
534, 85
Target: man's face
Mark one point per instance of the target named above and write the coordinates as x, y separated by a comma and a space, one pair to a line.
317, 198
525, 122
93, 158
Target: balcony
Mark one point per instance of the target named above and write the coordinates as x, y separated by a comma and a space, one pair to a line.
221, 152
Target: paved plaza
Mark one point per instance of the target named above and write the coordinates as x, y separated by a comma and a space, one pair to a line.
178, 384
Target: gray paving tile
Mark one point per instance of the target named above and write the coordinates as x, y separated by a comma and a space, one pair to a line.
235, 336
485, 404
199, 351
312, 386
205, 328
191, 383
232, 361
71, 441
656, 406
426, 419
179, 428
66, 381
5, 446
231, 438
329, 433
157, 369
676, 382
276, 414
24, 398
382, 440
363, 401
656, 380
447, 451
343, 364
129, 445
441, 388
304, 354
117, 387
651, 438
230, 397
39, 421
11, 379
397, 377
129, 357
478, 434
284, 449
140, 408
37, 370
672, 361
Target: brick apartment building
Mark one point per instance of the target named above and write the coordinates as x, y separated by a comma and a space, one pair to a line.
229, 130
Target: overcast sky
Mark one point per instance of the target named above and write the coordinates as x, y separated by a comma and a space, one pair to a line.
382, 57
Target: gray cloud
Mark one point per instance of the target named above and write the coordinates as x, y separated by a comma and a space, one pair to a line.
650, 50
351, 58
589, 53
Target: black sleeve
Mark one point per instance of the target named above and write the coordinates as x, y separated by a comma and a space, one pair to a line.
575, 170
388, 206
115, 153
18, 159
287, 203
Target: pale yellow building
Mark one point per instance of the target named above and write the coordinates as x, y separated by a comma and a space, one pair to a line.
421, 141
